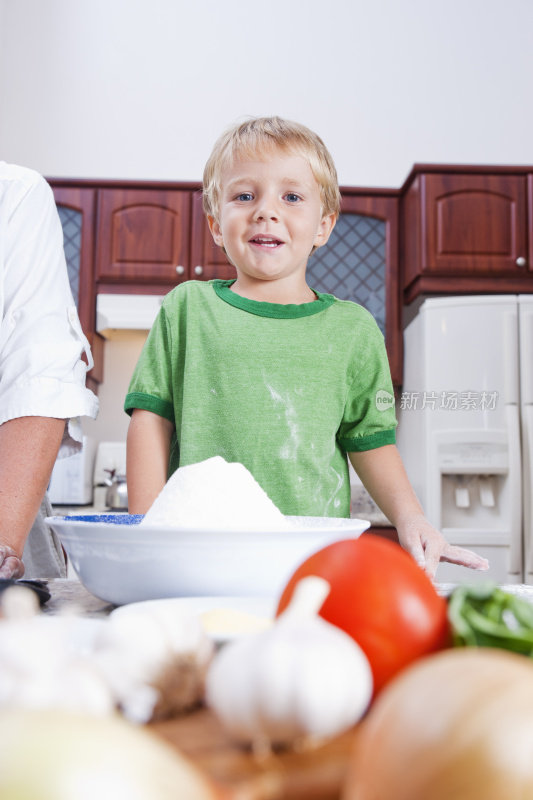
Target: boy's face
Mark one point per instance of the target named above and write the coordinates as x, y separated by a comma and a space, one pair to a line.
270, 216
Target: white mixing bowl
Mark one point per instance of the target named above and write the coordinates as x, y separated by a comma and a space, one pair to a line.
121, 562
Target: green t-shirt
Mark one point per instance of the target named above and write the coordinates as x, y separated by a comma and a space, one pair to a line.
286, 390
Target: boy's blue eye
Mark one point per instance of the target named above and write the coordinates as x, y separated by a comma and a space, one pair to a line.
292, 198
244, 196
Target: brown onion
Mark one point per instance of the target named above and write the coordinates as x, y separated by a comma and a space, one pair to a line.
457, 725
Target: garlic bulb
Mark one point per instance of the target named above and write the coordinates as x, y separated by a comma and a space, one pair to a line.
40, 665
303, 678
148, 664
155, 660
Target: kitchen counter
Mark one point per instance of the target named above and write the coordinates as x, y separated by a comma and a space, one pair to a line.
363, 507
71, 595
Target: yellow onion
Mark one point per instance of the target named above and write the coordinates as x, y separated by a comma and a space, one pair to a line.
456, 725
57, 755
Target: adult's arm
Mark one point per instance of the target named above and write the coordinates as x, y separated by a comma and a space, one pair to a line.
28, 448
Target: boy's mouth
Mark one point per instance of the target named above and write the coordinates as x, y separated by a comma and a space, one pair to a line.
265, 241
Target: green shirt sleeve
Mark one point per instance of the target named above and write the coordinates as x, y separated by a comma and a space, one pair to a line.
369, 419
150, 386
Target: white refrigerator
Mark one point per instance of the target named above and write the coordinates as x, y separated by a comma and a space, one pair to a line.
466, 427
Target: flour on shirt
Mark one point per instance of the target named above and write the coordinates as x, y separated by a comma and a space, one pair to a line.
215, 494
289, 449
334, 499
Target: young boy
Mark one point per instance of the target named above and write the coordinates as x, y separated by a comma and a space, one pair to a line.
265, 371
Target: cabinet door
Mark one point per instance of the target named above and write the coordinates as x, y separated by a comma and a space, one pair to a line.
143, 236
76, 208
529, 264
474, 224
207, 259
360, 263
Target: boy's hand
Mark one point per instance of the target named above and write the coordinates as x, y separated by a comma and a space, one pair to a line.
428, 547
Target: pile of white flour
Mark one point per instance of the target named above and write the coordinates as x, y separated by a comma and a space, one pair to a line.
215, 494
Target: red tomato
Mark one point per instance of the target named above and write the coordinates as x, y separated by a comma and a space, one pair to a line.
381, 598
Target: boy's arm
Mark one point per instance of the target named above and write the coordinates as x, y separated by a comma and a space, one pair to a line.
384, 477
147, 457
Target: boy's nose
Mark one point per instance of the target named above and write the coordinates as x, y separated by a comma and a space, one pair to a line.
262, 216
266, 210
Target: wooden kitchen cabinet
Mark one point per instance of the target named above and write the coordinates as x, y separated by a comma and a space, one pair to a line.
143, 236
76, 209
467, 230
150, 239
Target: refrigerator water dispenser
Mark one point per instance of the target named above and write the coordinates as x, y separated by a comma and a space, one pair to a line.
469, 490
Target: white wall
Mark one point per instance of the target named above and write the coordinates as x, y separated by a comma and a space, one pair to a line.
120, 357
141, 88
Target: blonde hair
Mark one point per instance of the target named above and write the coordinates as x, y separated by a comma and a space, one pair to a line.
260, 134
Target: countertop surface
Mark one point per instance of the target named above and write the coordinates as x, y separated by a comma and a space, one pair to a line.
363, 507
72, 595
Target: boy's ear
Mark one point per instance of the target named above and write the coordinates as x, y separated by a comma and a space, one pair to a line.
216, 233
327, 224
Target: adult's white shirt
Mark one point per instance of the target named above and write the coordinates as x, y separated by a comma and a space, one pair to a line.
41, 341
42, 373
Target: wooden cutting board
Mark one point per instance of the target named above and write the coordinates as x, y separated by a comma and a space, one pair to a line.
315, 774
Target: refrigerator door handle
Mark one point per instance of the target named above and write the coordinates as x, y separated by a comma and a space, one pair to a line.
527, 472
526, 353
515, 471
511, 378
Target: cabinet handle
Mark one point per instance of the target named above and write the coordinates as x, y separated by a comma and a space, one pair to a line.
180, 270
520, 261
198, 270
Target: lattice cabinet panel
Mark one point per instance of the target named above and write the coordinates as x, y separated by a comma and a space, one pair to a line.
71, 222
352, 264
